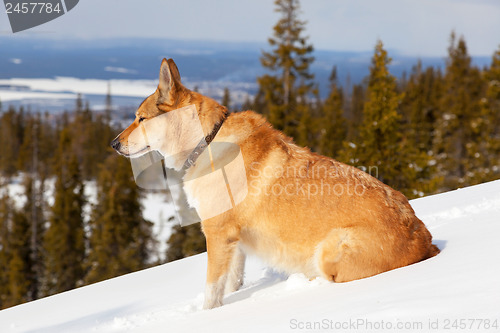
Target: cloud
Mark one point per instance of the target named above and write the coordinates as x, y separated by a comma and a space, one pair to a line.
419, 27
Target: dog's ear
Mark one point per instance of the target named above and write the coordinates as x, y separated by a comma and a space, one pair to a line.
166, 83
174, 70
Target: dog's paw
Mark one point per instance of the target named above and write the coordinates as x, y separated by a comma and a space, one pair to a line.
232, 286
214, 292
211, 303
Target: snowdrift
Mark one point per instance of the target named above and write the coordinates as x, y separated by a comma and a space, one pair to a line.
456, 290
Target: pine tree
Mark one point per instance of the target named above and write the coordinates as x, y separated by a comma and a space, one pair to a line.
226, 98
22, 274
92, 145
5, 253
491, 111
19, 268
333, 122
185, 241
419, 108
247, 104
379, 134
83, 144
121, 238
11, 132
382, 147
109, 105
65, 234
355, 111
420, 105
33, 212
47, 135
284, 95
460, 128
30, 149
79, 103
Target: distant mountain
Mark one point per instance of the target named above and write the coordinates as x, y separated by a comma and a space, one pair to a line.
198, 61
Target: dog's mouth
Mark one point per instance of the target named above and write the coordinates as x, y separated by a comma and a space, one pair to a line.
136, 153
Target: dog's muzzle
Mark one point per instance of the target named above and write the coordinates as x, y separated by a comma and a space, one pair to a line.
115, 144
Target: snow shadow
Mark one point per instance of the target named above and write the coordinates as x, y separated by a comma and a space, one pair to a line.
440, 243
269, 279
87, 322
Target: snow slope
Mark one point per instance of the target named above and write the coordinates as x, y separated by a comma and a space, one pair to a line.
461, 283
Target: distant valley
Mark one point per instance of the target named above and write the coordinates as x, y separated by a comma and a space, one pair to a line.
209, 66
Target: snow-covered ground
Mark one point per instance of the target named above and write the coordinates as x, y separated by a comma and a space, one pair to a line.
48, 93
457, 290
68, 87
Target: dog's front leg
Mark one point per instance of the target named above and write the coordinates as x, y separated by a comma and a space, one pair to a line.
221, 248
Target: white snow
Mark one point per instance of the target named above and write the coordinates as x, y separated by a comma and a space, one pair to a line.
22, 89
461, 283
67, 87
120, 70
17, 95
158, 209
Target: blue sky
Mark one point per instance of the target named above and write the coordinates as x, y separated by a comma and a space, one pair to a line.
416, 27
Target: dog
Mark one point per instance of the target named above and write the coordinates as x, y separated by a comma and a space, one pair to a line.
302, 213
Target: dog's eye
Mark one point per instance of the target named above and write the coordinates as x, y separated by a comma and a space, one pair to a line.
141, 119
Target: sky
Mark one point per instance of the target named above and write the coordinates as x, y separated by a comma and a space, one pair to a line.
413, 27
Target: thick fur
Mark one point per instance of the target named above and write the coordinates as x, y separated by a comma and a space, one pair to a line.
303, 212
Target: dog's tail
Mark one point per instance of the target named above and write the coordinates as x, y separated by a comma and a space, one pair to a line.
433, 251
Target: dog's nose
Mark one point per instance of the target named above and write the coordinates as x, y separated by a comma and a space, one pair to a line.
115, 144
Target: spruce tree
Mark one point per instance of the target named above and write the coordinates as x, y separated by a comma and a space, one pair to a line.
355, 111
30, 152
247, 104
382, 147
109, 105
19, 268
333, 123
5, 253
491, 111
419, 108
175, 243
284, 93
33, 212
47, 134
420, 105
92, 146
22, 276
82, 144
64, 240
226, 98
121, 238
379, 134
11, 132
461, 128
185, 241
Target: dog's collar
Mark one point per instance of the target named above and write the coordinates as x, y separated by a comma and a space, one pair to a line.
193, 156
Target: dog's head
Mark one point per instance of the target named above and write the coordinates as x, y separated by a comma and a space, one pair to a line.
170, 121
